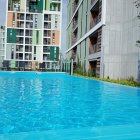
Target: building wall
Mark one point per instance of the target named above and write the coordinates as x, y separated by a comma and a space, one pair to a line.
84, 16
25, 31
120, 54
120, 31
2, 44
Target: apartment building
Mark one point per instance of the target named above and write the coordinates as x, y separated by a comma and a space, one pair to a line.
102, 35
2, 44
33, 33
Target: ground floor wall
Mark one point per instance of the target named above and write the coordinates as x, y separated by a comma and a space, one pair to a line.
30, 65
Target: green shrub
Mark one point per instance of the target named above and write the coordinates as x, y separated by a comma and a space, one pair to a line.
128, 82
131, 78
78, 69
92, 72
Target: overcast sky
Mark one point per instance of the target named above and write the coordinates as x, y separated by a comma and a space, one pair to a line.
64, 15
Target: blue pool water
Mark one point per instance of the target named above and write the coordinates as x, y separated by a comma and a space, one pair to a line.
56, 101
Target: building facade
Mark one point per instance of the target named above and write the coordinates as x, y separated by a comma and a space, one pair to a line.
102, 35
2, 44
33, 33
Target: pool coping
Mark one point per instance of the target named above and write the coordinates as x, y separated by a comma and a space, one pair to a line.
120, 132
28, 72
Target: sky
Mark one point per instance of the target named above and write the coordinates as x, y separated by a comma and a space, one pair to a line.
2, 11
64, 21
64, 25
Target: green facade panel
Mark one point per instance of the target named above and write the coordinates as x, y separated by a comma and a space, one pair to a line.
8, 35
57, 53
37, 7
11, 35
52, 53
40, 5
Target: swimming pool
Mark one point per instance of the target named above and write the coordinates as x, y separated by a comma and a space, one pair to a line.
59, 105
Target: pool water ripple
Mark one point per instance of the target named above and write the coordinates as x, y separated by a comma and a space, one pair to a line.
47, 101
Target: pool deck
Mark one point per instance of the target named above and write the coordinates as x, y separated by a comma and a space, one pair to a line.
126, 132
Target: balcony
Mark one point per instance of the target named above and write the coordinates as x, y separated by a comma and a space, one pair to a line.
20, 33
29, 17
47, 17
20, 24
46, 57
94, 22
74, 54
28, 48
20, 16
47, 25
94, 49
28, 40
28, 56
96, 12
46, 49
75, 21
19, 56
95, 42
75, 5
19, 40
19, 48
93, 2
47, 33
46, 41
28, 33
95, 67
29, 25
74, 39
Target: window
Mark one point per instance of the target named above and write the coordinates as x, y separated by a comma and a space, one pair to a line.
59, 7
55, 24
54, 7
34, 49
37, 37
12, 53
